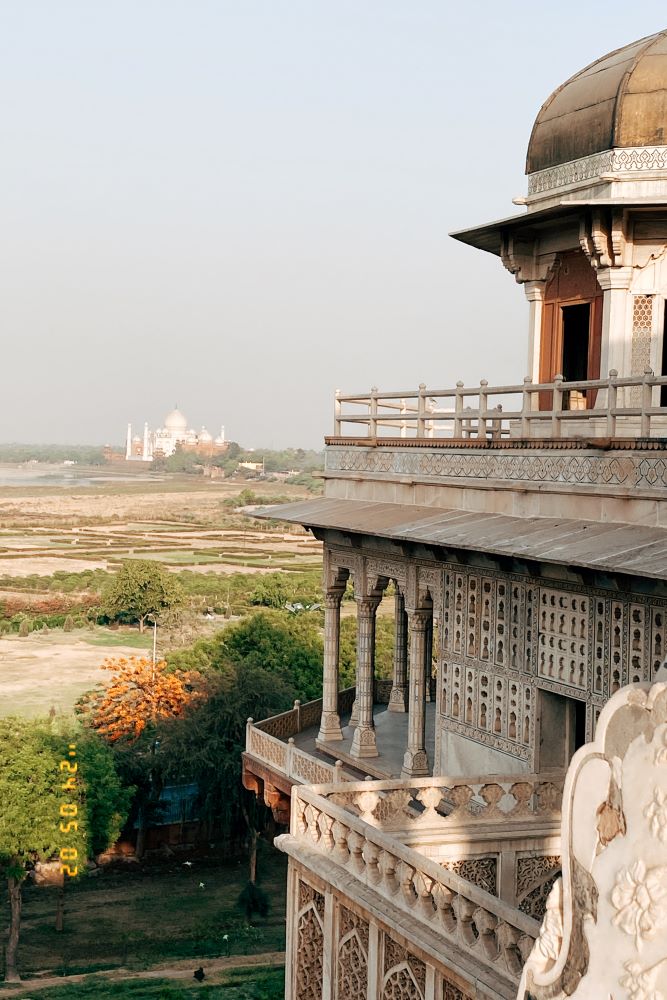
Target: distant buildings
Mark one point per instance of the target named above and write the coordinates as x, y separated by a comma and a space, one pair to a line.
164, 441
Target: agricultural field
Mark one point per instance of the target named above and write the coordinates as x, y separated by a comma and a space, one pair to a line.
60, 546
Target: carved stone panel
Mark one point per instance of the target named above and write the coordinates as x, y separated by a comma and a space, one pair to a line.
404, 974
480, 871
309, 944
352, 971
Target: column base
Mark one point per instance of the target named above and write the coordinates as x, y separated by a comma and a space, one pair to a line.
364, 743
354, 714
415, 764
398, 700
330, 730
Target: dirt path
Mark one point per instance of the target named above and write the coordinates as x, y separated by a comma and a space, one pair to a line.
178, 970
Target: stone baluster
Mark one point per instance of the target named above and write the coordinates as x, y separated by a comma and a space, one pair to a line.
415, 760
363, 741
398, 699
330, 723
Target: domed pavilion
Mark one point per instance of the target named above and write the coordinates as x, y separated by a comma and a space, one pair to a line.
590, 249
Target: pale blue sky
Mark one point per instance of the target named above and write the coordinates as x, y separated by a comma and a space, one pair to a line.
240, 205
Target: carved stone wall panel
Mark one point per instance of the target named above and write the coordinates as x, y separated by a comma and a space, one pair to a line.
404, 973
451, 992
530, 870
642, 328
309, 944
352, 966
481, 871
534, 903
563, 637
504, 635
658, 637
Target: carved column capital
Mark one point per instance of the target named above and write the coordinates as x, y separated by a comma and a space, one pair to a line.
367, 606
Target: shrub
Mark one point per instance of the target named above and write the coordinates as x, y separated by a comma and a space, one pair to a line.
253, 900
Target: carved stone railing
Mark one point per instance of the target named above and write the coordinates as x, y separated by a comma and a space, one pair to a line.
288, 760
497, 936
558, 409
301, 717
272, 740
445, 805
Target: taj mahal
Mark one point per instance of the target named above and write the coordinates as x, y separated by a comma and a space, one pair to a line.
174, 435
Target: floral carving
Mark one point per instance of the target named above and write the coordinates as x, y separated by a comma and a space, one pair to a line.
640, 983
656, 814
639, 897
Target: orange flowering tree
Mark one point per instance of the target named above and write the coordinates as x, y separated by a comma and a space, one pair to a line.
129, 713
140, 694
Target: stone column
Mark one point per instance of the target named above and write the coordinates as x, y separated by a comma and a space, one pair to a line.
534, 291
415, 760
363, 741
616, 350
330, 724
398, 699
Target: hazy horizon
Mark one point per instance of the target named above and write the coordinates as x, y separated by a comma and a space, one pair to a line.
242, 207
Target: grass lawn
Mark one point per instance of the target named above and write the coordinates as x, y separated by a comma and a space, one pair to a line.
139, 915
236, 984
137, 640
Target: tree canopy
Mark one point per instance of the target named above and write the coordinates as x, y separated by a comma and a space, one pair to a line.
140, 695
140, 589
60, 801
289, 646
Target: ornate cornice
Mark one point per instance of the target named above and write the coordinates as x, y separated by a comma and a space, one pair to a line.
634, 159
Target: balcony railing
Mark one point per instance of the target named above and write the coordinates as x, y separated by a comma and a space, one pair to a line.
608, 407
454, 806
272, 742
498, 936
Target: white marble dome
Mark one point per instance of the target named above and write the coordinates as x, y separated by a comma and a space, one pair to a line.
175, 421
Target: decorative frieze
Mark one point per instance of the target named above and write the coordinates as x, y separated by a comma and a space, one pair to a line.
633, 159
637, 470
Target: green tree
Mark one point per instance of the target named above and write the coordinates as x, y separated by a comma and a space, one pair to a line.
289, 646
205, 746
139, 589
50, 807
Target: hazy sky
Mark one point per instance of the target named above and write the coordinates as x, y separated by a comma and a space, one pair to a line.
240, 205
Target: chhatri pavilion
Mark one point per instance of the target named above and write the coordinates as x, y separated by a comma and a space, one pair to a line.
520, 533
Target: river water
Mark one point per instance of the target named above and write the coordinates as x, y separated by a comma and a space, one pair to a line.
45, 474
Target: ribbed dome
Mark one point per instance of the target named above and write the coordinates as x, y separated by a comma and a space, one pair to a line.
175, 421
616, 102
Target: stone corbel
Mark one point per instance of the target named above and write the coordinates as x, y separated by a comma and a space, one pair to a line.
603, 241
523, 261
600, 240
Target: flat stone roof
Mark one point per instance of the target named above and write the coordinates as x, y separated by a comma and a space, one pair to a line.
606, 546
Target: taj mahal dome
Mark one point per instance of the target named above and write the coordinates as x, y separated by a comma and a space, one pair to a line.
164, 441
